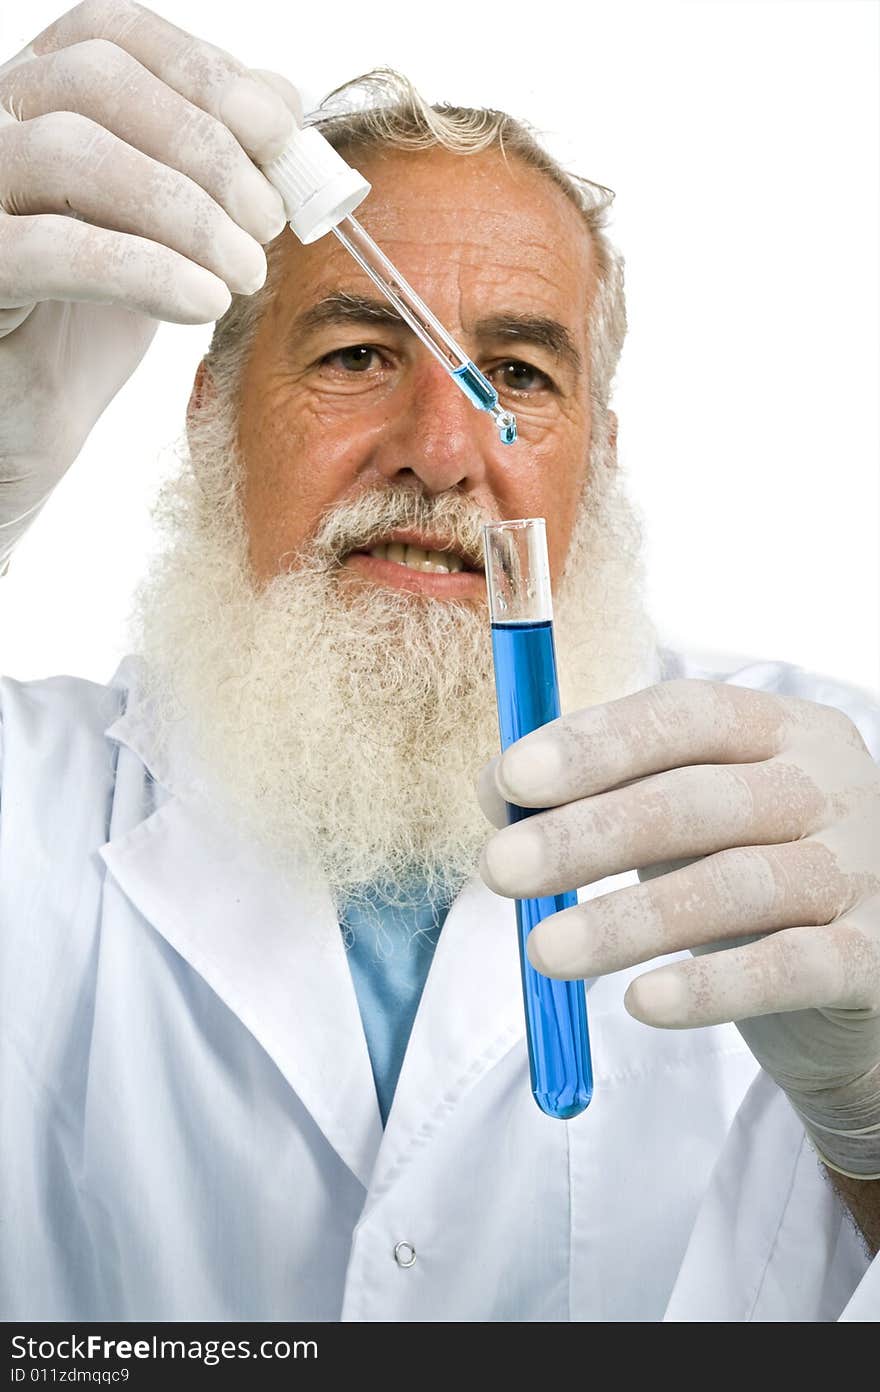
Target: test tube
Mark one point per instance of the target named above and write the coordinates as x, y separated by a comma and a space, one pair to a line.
527, 691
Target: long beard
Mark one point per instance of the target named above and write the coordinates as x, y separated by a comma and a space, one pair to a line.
342, 728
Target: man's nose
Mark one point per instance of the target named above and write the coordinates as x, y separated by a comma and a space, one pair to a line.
437, 434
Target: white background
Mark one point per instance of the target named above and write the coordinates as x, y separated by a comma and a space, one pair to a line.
742, 140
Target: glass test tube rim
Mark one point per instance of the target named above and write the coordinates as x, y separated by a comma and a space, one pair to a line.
510, 523
518, 603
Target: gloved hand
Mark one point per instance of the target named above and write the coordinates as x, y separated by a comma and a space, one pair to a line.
128, 194
779, 801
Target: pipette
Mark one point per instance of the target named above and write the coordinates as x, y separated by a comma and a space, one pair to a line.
527, 690
320, 191
425, 325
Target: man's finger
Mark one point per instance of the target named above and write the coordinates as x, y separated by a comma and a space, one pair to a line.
94, 264
45, 171
492, 804
286, 91
748, 890
101, 82
667, 726
685, 812
836, 966
206, 75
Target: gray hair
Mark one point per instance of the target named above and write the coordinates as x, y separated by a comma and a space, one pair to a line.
383, 110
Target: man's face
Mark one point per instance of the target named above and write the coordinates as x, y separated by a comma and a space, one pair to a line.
339, 398
338, 720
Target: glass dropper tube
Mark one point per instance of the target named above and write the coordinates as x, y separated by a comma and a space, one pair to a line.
527, 691
413, 310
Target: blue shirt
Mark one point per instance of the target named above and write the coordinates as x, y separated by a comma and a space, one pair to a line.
390, 948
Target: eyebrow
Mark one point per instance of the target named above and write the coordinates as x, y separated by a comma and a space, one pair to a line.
540, 330
342, 308
536, 329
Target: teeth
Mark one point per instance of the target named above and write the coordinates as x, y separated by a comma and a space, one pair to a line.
416, 558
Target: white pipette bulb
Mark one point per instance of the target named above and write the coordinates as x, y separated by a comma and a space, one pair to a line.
318, 188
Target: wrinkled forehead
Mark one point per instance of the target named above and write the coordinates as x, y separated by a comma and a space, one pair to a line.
484, 227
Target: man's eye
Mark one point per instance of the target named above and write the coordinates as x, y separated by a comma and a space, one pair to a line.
520, 376
358, 358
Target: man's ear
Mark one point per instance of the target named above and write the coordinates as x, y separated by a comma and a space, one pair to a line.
202, 390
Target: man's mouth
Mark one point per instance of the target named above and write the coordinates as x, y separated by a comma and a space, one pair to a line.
431, 554
417, 558
445, 571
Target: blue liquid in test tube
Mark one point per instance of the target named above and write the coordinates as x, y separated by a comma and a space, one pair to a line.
527, 691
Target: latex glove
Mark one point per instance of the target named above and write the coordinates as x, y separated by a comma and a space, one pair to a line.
780, 801
128, 195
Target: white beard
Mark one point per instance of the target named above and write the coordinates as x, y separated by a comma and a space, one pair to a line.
343, 728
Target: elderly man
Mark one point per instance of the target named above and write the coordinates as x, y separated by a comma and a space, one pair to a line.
264, 1049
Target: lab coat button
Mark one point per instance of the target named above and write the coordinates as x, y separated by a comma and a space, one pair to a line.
405, 1254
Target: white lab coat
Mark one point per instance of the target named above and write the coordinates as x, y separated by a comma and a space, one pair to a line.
190, 1128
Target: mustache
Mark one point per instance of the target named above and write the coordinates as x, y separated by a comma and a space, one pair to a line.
359, 523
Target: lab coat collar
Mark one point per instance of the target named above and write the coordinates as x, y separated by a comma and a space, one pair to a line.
272, 950
266, 944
